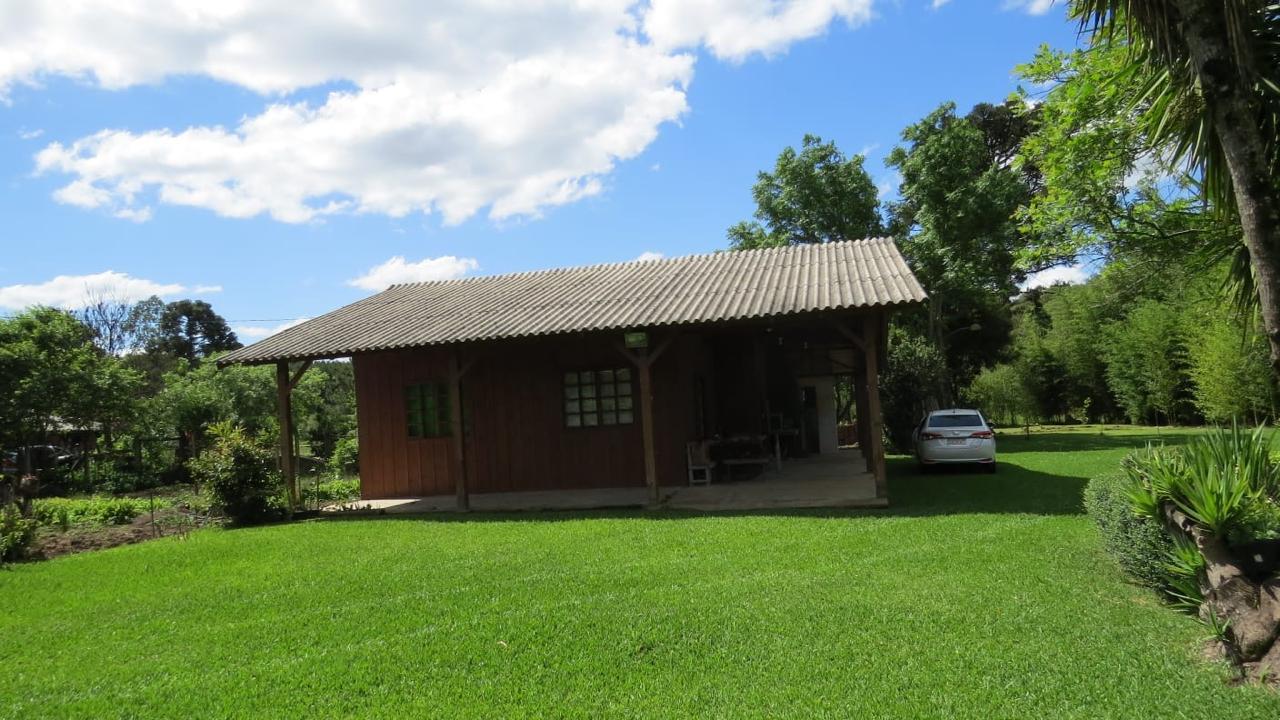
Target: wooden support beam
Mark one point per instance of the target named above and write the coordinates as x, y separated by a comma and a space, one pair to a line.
860, 410
871, 332
646, 429
293, 382
850, 335
284, 407
643, 362
456, 370
647, 355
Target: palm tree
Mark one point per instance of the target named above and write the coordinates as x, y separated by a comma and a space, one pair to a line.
1212, 78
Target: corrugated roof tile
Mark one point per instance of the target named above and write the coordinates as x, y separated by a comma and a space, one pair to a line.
695, 289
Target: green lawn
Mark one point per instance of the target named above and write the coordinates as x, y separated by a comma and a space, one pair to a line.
975, 596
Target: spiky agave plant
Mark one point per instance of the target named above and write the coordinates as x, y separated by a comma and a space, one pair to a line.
1216, 480
1228, 473
1183, 574
1151, 471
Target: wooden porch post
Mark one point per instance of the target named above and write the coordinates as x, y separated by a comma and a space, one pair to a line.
860, 408
456, 371
284, 406
871, 336
646, 428
643, 362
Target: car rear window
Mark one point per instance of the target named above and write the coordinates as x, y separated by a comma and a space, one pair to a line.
951, 421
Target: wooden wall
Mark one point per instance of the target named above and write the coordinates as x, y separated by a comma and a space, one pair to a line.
513, 417
391, 463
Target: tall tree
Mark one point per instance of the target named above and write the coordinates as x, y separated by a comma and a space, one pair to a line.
1212, 75
51, 373
1106, 191
815, 195
191, 330
107, 316
955, 223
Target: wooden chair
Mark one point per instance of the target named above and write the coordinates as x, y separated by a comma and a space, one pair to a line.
698, 455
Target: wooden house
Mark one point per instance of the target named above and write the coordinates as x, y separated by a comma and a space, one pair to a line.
609, 376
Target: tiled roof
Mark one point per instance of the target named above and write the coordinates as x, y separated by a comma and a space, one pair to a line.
690, 290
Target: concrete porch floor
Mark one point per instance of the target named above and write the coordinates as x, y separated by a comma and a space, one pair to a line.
817, 481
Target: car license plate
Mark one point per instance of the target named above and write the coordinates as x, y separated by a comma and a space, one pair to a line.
961, 442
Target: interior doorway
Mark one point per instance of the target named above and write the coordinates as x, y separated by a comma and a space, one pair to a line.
810, 428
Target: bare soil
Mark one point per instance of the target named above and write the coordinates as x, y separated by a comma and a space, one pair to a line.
53, 542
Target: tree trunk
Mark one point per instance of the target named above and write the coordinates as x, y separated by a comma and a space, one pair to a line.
1233, 106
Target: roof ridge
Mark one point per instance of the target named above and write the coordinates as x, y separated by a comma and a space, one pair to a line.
636, 261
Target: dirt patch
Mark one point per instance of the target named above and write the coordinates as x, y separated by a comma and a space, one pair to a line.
53, 542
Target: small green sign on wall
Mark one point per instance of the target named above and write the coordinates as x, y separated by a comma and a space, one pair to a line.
635, 340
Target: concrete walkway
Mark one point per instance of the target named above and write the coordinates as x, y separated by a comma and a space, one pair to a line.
818, 481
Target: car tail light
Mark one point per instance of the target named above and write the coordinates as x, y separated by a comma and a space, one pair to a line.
984, 434
930, 436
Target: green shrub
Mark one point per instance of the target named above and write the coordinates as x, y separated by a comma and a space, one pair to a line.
1225, 481
913, 378
1001, 394
340, 490
64, 512
345, 459
16, 534
1137, 541
240, 476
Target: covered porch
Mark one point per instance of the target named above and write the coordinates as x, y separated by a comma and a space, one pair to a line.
837, 480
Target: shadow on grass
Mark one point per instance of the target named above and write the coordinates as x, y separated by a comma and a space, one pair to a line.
943, 491
1080, 441
1011, 489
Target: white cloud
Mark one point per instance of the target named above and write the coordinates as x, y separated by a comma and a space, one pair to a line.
648, 255
452, 107
736, 29
397, 270
888, 186
134, 214
1032, 7
1070, 274
206, 289
30, 134
75, 291
256, 332
939, 3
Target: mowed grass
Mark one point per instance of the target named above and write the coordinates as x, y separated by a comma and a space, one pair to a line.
974, 596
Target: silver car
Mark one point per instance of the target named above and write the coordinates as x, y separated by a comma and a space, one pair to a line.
955, 436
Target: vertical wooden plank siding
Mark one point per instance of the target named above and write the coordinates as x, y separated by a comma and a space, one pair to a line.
512, 419
455, 423
391, 463
509, 425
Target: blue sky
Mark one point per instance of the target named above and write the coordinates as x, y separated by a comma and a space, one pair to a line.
650, 146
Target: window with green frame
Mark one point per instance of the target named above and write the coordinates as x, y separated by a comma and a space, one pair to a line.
598, 397
427, 405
